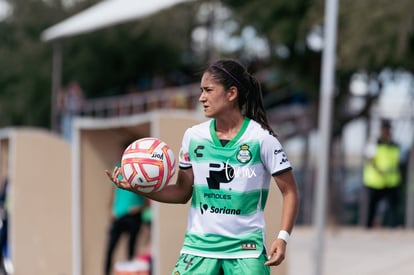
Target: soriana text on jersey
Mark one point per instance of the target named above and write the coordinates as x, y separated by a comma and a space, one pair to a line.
219, 210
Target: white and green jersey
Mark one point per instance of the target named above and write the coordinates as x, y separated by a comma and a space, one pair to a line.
231, 184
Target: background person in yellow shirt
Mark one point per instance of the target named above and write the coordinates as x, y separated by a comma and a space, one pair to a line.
382, 175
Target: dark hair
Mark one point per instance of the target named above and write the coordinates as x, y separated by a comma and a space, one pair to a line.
229, 72
386, 123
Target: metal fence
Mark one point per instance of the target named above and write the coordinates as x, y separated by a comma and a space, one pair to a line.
182, 97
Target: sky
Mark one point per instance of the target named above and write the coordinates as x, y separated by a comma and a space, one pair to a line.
4, 9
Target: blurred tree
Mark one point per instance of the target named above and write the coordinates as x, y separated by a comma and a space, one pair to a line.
104, 62
25, 67
107, 62
372, 36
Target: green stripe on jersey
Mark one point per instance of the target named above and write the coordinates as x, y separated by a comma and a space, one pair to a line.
205, 151
223, 246
222, 201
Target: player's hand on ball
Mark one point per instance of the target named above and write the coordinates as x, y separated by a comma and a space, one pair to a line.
114, 177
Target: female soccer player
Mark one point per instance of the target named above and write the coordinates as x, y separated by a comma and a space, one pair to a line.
226, 165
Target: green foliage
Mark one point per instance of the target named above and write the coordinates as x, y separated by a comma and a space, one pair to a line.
376, 34
285, 24
279, 20
107, 62
104, 62
372, 35
25, 66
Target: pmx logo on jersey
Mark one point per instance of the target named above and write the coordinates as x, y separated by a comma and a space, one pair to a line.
219, 173
224, 173
204, 208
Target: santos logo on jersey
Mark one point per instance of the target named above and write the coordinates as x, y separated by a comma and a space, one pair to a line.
219, 210
244, 155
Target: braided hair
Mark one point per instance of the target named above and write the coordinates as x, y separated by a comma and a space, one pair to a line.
229, 72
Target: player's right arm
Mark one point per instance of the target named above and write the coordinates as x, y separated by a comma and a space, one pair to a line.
180, 192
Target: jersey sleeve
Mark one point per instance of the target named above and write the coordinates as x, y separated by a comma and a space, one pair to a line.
184, 156
273, 155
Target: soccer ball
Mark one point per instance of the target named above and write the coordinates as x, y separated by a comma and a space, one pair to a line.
148, 164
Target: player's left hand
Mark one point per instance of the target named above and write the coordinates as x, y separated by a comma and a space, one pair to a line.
276, 254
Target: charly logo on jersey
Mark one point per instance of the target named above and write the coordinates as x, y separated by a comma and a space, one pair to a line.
244, 155
198, 151
204, 208
284, 157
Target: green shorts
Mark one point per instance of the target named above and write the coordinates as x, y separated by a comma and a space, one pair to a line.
196, 265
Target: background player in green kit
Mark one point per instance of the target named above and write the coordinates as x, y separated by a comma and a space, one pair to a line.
126, 219
226, 165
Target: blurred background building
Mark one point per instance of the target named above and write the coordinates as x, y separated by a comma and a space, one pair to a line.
148, 57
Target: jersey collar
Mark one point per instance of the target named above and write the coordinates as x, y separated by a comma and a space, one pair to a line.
215, 138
